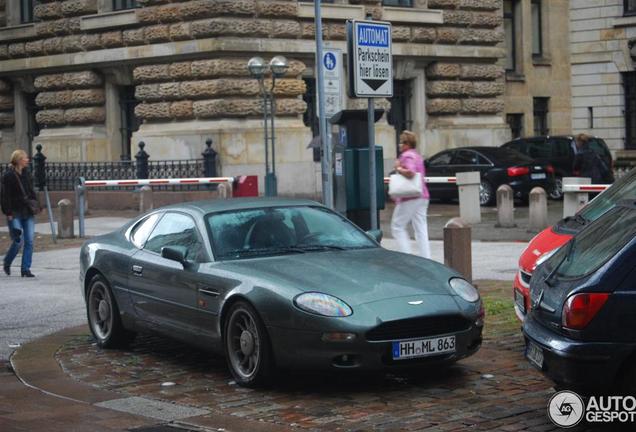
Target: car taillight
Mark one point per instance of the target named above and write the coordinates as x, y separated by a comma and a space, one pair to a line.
580, 309
550, 169
518, 171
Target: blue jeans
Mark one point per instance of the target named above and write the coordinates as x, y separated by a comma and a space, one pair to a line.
27, 228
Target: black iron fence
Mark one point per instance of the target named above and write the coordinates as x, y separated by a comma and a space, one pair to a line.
62, 176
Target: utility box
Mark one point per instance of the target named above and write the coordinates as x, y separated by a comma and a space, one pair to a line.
351, 167
245, 186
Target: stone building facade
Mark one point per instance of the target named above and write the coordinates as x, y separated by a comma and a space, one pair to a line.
537, 63
89, 79
603, 37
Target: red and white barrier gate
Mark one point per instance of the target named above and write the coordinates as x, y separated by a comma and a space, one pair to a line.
158, 182
583, 188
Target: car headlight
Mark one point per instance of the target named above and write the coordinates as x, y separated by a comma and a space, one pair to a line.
465, 290
322, 304
543, 258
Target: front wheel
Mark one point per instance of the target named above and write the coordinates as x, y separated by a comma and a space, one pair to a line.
486, 193
103, 315
247, 346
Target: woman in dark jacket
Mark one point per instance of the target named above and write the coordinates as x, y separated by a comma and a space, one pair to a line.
16, 191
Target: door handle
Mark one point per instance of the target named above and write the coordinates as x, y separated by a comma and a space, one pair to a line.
137, 270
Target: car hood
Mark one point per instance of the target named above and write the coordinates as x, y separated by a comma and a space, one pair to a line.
355, 276
546, 241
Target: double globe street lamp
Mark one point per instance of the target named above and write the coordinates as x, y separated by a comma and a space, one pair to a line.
258, 69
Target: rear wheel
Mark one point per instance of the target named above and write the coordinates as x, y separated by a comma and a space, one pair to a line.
486, 193
103, 315
556, 193
247, 346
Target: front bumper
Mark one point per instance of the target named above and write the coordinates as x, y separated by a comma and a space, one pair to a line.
301, 349
523, 289
574, 363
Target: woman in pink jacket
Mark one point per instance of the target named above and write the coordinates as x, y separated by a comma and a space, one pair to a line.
411, 210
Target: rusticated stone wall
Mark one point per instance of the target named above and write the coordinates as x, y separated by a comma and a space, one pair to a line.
72, 98
454, 88
6, 105
211, 89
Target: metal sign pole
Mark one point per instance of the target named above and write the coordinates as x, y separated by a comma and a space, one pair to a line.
373, 197
48, 209
80, 194
325, 144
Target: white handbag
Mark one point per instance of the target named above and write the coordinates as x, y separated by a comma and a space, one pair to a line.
403, 187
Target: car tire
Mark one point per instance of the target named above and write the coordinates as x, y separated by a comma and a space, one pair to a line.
247, 347
103, 315
486, 193
556, 193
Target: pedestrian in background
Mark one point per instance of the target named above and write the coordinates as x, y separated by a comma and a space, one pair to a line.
18, 198
411, 210
587, 163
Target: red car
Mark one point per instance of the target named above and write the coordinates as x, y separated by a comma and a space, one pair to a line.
544, 244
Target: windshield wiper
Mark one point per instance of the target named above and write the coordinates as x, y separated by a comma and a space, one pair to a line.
568, 254
316, 247
261, 251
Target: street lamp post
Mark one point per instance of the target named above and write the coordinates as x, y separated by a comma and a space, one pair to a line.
258, 69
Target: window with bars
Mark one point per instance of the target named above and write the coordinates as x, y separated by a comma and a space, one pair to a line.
26, 11
124, 4
515, 122
537, 28
540, 111
629, 84
510, 35
629, 7
402, 3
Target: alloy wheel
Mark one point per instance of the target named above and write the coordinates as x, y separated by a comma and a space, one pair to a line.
485, 193
100, 311
556, 192
244, 343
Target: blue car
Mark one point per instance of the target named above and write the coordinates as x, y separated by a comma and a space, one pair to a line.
581, 328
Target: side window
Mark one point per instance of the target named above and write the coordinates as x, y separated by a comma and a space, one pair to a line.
176, 229
599, 147
441, 159
538, 149
520, 146
465, 157
140, 233
560, 147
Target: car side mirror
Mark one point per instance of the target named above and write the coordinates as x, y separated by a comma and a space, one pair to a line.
176, 253
375, 235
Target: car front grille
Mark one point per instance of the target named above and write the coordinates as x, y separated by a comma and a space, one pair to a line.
418, 327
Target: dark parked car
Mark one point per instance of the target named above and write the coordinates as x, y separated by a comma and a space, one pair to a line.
497, 166
581, 328
276, 283
559, 151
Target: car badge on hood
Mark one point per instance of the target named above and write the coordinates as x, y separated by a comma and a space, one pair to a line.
416, 302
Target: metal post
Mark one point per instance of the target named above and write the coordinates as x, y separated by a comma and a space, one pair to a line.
80, 190
48, 209
266, 137
327, 185
272, 114
373, 201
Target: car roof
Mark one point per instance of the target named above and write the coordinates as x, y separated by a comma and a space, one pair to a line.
219, 205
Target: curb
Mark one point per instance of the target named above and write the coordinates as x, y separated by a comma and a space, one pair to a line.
35, 366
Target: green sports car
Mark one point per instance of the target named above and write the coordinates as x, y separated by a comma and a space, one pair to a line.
276, 283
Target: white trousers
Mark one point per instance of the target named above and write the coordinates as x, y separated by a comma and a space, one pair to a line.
413, 211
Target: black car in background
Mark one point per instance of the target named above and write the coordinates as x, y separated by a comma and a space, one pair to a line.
581, 327
497, 166
559, 151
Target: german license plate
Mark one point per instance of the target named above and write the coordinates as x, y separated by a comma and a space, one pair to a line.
520, 301
538, 176
534, 354
423, 347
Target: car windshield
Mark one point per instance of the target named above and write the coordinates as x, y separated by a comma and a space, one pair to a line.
624, 188
593, 247
281, 230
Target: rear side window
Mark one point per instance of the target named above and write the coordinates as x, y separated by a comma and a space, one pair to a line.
140, 232
520, 146
537, 149
465, 157
599, 146
561, 147
441, 159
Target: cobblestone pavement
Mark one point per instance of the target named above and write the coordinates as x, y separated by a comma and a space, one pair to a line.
495, 389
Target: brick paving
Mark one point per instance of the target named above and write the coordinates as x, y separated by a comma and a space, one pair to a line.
495, 389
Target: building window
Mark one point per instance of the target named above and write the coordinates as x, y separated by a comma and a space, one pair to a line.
124, 4
26, 11
509, 28
400, 114
540, 111
629, 7
129, 121
515, 121
629, 84
537, 40
403, 3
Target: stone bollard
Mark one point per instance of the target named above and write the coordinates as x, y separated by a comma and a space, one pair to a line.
469, 208
65, 226
573, 201
457, 247
505, 207
222, 190
538, 210
146, 201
